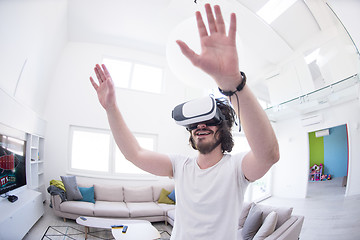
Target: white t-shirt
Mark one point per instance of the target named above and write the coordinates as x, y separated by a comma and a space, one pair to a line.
208, 201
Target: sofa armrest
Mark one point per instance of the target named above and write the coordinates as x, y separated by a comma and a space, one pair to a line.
56, 201
290, 230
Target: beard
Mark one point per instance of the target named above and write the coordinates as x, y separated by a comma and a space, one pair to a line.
206, 147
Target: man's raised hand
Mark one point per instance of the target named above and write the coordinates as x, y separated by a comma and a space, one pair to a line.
105, 89
218, 56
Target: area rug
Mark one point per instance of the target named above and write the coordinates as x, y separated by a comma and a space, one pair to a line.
71, 233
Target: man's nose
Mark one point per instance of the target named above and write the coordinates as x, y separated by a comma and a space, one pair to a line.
201, 125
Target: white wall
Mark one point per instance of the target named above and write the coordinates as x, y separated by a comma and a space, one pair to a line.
291, 172
290, 176
73, 101
33, 33
348, 12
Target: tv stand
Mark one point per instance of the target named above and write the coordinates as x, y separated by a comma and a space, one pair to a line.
17, 218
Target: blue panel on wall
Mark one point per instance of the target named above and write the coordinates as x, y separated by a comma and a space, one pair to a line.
336, 152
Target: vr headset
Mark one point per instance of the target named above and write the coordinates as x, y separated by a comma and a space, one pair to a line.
202, 110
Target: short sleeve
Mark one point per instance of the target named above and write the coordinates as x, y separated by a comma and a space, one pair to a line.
238, 158
177, 161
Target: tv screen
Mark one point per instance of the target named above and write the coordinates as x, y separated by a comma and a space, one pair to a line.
12, 163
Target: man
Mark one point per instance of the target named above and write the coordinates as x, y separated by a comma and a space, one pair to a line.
209, 188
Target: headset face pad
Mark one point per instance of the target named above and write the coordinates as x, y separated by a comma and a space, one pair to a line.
212, 122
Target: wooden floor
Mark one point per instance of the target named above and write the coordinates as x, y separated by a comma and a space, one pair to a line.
328, 214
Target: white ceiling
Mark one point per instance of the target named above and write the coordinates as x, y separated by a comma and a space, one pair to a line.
146, 25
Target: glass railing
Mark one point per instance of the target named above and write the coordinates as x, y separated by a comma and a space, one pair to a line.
339, 92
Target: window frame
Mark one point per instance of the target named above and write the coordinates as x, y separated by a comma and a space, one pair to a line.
130, 80
110, 173
131, 175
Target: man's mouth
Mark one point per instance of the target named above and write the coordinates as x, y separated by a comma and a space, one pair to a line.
203, 132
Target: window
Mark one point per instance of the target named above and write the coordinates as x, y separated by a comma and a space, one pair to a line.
120, 72
147, 78
90, 150
124, 166
94, 151
142, 77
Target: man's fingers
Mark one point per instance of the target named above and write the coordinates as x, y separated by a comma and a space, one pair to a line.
94, 83
107, 74
201, 26
232, 29
190, 54
219, 20
211, 19
100, 73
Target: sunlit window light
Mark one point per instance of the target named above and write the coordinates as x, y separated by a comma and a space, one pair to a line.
147, 78
120, 71
273, 9
136, 76
312, 56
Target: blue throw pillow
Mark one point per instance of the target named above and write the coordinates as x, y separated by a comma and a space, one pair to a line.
172, 195
88, 194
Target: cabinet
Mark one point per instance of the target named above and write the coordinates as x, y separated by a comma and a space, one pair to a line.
17, 218
35, 164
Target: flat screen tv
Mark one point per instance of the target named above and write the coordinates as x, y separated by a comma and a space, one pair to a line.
12, 163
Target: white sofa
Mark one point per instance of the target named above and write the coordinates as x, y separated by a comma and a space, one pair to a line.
141, 202
117, 201
287, 226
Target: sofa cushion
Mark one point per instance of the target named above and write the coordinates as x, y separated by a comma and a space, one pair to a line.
172, 195
284, 227
283, 213
111, 209
76, 207
171, 214
252, 222
87, 194
267, 227
138, 194
166, 207
157, 190
71, 187
244, 213
111, 193
144, 209
164, 197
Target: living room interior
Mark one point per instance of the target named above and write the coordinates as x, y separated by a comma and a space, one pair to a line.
302, 63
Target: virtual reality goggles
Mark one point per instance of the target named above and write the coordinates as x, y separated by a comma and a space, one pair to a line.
202, 110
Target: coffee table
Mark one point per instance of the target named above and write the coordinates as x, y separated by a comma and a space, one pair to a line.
137, 229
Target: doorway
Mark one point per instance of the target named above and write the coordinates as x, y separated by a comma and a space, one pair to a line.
328, 150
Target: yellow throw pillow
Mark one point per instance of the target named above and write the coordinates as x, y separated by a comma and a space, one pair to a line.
164, 197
